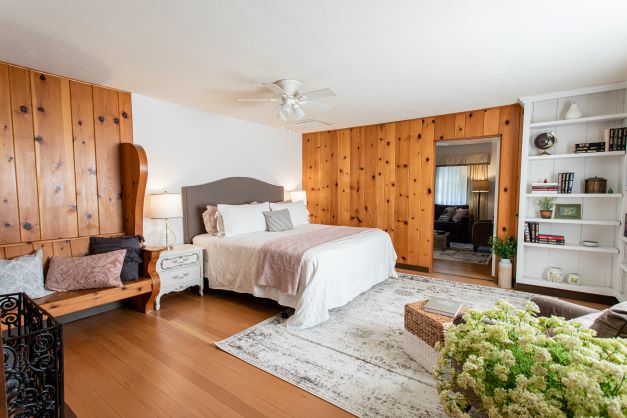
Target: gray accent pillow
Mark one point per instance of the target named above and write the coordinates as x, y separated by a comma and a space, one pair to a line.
24, 274
612, 322
447, 214
279, 220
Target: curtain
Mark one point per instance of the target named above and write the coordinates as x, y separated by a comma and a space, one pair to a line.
451, 185
479, 172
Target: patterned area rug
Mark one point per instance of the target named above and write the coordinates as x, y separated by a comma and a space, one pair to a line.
355, 360
463, 253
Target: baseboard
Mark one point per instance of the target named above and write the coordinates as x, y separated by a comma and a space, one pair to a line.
569, 294
412, 267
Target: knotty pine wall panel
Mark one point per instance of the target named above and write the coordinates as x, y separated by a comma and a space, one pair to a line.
385, 175
9, 216
60, 161
85, 158
24, 145
107, 134
54, 154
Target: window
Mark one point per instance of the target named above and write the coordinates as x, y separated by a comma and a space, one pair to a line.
451, 185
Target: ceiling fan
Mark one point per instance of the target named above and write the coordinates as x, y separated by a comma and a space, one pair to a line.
292, 99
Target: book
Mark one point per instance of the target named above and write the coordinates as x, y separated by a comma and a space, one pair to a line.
443, 307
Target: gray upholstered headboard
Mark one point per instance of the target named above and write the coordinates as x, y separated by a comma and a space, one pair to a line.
231, 191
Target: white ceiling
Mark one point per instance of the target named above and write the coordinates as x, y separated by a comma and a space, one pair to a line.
387, 59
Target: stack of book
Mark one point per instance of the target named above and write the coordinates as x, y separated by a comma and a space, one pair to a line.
550, 239
532, 230
544, 187
616, 139
565, 182
588, 147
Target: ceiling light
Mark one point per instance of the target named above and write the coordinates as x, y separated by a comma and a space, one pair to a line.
297, 111
285, 111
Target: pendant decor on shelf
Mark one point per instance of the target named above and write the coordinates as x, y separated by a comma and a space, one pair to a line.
573, 112
544, 142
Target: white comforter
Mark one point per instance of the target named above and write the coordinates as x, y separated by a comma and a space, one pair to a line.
331, 275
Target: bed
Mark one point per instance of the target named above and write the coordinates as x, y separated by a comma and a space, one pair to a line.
331, 274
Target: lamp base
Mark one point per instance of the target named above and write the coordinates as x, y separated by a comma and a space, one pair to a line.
168, 237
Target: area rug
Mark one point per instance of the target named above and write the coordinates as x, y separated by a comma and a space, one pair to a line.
463, 253
355, 360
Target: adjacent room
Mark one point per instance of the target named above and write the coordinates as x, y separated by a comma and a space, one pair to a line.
466, 181
409, 208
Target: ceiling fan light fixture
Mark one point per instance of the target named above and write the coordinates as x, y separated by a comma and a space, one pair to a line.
285, 112
298, 111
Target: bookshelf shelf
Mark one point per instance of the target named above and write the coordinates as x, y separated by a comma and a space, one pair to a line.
578, 195
580, 121
607, 154
600, 222
598, 290
574, 247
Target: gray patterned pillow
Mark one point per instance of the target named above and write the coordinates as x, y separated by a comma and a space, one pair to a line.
278, 220
23, 274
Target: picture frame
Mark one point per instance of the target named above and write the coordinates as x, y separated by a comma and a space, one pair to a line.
568, 211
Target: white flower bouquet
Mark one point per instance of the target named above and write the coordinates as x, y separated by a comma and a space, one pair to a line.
506, 362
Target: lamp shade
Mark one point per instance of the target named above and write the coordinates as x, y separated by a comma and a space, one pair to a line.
165, 206
480, 186
297, 195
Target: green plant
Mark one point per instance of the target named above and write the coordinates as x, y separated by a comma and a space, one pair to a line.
506, 362
546, 203
503, 248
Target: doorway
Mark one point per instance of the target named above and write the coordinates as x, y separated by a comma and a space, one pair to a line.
465, 207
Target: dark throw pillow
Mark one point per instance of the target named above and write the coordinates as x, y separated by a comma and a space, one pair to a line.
132, 245
612, 322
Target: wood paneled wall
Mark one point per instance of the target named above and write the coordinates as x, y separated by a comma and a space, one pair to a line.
384, 175
59, 161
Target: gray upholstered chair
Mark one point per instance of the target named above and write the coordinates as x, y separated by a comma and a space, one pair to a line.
611, 322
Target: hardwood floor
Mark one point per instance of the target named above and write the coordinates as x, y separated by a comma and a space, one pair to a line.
127, 364
458, 268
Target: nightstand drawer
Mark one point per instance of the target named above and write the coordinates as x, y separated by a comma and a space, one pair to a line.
181, 275
175, 261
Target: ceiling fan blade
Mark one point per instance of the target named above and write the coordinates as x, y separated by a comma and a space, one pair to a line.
316, 105
304, 121
275, 89
258, 100
319, 94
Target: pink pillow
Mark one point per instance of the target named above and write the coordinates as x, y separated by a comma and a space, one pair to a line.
210, 219
89, 272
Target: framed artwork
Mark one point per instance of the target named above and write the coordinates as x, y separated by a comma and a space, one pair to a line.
568, 211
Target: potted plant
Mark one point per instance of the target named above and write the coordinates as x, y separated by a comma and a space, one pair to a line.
508, 362
545, 205
505, 250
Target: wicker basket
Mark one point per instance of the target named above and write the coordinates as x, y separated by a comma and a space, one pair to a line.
429, 327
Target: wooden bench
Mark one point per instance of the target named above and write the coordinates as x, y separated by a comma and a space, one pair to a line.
140, 293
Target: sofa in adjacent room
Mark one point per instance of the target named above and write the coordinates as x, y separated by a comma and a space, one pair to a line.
459, 231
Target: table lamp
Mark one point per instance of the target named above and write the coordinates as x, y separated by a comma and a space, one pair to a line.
166, 206
297, 195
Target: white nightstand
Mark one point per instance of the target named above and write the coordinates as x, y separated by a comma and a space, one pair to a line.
179, 269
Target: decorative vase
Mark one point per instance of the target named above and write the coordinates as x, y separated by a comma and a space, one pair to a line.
554, 274
505, 273
573, 112
573, 278
546, 214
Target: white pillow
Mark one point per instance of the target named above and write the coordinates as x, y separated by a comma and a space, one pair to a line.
298, 211
24, 274
243, 219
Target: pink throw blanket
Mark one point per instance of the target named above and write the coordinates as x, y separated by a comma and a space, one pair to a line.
280, 259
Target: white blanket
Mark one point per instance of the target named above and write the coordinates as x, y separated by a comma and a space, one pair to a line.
331, 275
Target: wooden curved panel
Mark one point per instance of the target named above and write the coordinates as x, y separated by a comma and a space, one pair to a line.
134, 165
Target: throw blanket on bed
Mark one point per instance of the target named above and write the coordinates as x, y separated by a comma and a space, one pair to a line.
280, 259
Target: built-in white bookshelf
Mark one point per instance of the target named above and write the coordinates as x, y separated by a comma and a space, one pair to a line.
603, 269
